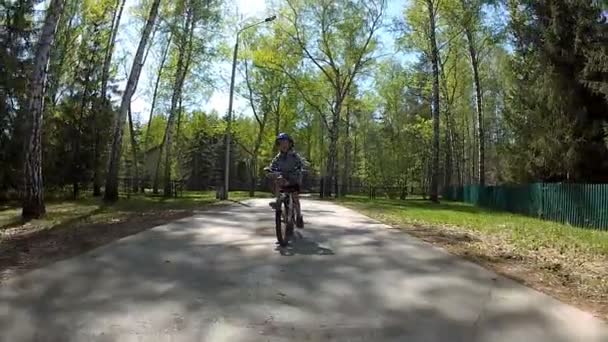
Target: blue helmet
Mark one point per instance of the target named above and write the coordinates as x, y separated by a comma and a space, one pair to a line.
284, 136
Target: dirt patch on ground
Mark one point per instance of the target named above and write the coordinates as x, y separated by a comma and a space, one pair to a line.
565, 276
23, 247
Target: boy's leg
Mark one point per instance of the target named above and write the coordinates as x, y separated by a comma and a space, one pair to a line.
299, 218
274, 187
276, 184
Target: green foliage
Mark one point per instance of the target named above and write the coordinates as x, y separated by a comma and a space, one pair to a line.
17, 20
556, 112
320, 72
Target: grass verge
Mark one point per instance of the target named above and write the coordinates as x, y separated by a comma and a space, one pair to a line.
566, 262
73, 227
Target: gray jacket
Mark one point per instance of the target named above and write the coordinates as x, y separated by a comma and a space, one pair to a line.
290, 165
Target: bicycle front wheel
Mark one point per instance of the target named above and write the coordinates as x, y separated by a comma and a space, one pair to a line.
282, 223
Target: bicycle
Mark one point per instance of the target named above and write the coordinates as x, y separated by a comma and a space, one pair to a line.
285, 212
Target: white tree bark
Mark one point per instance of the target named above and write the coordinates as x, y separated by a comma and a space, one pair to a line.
435, 102
111, 191
33, 192
183, 61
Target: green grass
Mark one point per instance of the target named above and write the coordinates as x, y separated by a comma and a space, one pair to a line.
525, 233
94, 210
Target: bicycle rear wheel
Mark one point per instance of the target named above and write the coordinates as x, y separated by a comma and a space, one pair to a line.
282, 223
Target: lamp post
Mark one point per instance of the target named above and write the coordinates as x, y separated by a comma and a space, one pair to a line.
224, 194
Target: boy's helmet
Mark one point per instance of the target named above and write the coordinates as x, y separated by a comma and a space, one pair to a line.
284, 136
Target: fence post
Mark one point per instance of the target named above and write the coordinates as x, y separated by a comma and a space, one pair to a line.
541, 213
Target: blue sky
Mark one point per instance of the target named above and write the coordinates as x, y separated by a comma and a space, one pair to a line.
127, 44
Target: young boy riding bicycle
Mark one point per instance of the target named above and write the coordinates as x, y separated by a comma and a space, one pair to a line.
287, 166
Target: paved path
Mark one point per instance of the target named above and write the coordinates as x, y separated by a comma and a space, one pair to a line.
218, 276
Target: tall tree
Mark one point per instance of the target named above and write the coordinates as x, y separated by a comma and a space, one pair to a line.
136, 179
555, 118
117, 15
470, 21
84, 104
264, 96
111, 190
338, 39
159, 74
105, 103
185, 46
16, 59
431, 7
33, 198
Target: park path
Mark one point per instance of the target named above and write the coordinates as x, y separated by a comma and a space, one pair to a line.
218, 276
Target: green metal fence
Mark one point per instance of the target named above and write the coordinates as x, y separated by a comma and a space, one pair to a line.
584, 205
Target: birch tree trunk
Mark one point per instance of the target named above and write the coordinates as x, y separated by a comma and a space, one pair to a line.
104, 102
136, 178
156, 181
111, 193
110, 48
434, 191
154, 97
478, 107
185, 51
33, 188
345, 174
331, 179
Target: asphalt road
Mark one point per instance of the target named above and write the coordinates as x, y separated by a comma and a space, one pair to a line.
218, 276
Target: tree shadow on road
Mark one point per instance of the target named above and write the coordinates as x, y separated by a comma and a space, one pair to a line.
302, 245
189, 279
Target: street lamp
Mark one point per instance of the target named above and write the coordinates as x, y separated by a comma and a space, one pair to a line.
224, 194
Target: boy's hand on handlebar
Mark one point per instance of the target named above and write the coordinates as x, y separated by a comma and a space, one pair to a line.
271, 171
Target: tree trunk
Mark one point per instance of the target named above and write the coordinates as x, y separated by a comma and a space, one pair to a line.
330, 175
346, 170
76, 160
449, 146
58, 55
104, 103
478, 107
136, 178
110, 47
33, 191
323, 168
97, 162
156, 181
309, 141
111, 193
255, 156
178, 136
149, 124
449, 136
355, 162
253, 175
434, 191
261, 130
471, 151
183, 60
154, 97
466, 155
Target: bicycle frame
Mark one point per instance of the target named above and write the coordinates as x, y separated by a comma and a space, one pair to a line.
283, 196
285, 220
